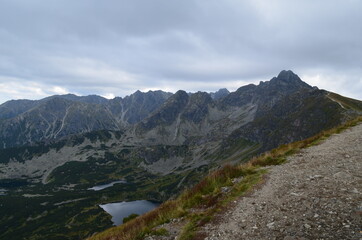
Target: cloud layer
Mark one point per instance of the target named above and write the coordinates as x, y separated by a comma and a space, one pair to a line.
113, 48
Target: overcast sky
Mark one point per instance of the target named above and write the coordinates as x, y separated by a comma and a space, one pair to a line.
115, 47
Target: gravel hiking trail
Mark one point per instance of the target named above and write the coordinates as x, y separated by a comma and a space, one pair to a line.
317, 194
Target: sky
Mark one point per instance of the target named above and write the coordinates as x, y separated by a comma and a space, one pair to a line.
115, 47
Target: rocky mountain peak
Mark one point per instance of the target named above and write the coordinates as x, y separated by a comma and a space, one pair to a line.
137, 94
197, 107
200, 97
137, 106
289, 79
287, 75
180, 95
222, 92
167, 113
93, 99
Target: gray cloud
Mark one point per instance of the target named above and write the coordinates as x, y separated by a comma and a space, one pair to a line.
116, 47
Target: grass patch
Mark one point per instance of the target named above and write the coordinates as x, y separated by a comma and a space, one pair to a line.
189, 229
141, 226
130, 217
199, 204
160, 232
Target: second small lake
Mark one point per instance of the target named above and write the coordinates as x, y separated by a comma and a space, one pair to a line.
120, 210
3, 191
101, 187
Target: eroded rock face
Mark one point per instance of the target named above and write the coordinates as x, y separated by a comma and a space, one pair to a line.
136, 107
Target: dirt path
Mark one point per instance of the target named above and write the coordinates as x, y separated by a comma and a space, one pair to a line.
317, 194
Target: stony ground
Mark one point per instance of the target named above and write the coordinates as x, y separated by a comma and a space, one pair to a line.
317, 194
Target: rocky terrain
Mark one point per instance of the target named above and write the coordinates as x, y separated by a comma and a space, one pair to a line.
317, 194
26, 122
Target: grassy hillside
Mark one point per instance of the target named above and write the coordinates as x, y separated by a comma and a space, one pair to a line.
347, 103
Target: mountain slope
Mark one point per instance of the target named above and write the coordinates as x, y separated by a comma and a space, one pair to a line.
134, 108
316, 194
54, 119
24, 122
13, 108
275, 112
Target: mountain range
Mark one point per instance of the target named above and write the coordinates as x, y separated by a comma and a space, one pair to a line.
158, 142
253, 119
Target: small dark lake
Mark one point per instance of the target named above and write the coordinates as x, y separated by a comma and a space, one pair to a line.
12, 183
120, 210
